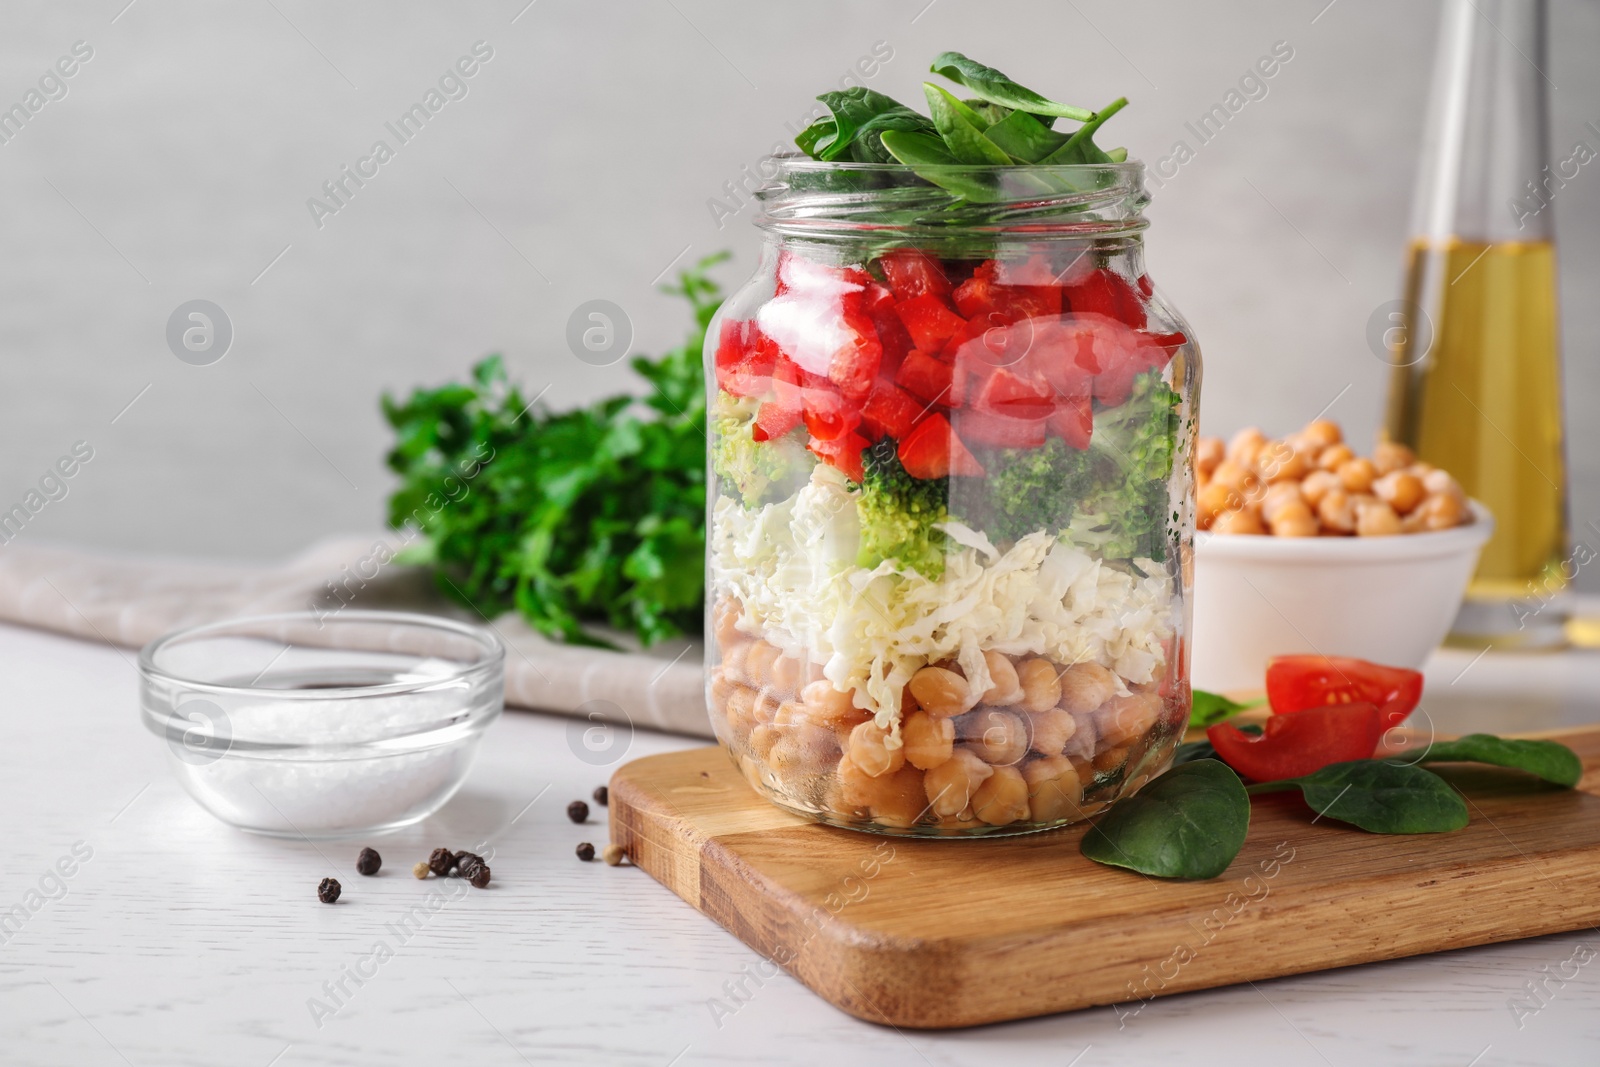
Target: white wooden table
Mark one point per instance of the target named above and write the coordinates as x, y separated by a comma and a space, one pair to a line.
181, 941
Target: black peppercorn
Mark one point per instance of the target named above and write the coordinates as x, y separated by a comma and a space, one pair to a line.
465, 859
585, 852
328, 890
578, 811
441, 861
479, 876
369, 861
602, 796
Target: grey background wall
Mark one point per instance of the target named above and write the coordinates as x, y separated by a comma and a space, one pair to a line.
579, 165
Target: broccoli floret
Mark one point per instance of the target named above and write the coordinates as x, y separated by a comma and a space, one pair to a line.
1111, 497
750, 466
898, 513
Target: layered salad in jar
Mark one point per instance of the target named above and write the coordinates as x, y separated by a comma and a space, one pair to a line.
950, 500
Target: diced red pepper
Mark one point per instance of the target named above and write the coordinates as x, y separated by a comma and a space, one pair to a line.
854, 366
892, 335
984, 293
1144, 352
1073, 420
1301, 743
929, 322
1004, 392
1297, 683
931, 380
773, 420
912, 274
828, 416
744, 358
1105, 292
798, 274
890, 411
933, 450
1146, 286
843, 453
999, 431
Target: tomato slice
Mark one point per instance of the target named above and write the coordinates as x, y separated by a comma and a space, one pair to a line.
1298, 744
933, 450
1298, 683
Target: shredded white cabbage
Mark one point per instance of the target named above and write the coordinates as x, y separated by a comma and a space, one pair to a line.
792, 566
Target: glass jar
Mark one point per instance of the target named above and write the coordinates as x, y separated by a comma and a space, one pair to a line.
951, 499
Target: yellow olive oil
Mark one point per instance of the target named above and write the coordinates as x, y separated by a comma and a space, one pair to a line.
1476, 390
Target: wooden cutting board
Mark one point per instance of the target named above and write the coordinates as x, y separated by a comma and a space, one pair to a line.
938, 934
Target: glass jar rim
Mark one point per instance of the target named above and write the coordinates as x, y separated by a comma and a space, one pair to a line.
821, 199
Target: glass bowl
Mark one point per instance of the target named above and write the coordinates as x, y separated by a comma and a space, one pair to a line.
317, 726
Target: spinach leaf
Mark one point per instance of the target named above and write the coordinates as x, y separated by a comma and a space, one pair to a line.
1024, 137
988, 113
1188, 823
991, 85
818, 132
1117, 155
929, 157
1379, 797
1549, 760
962, 129
856, 109
1208, 709
1080, 147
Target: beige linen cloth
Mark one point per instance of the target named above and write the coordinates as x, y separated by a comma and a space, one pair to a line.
130, 601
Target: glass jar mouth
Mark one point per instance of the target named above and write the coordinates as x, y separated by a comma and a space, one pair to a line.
803, 197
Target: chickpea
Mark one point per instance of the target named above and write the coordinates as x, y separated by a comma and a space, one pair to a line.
759, 662
1055, 791
1401, 490
928, 741
1335, 456
1278, 461
766, 706
997, 737
762, 738
1086, 686
853, 785
1314, 486
725, 622
1337, 512
1002, 798
720, 689
741, 705
870, 751
941, 691
1125, 718
1213, 500
1391, 456
950, 785
1277, 496
1041, 684
1208, 452
1244, 445
804, 750
1005, 689
1324, 432
1357, 475
824, 703
1233, 476
1294, 519
895, 800
1052, 730
733, 661
1243, 521
1440, 511
1439, 483
1374, 518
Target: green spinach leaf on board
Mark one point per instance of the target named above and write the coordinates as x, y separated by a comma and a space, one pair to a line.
1188, 823
989, 84
1550, 760
1379, 797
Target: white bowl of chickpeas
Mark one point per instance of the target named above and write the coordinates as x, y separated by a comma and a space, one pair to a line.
1304, 546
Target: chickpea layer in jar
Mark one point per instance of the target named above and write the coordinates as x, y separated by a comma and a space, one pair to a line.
1045, 744
1311, 483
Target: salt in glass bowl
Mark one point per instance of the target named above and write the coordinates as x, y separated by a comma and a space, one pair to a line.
320, 726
